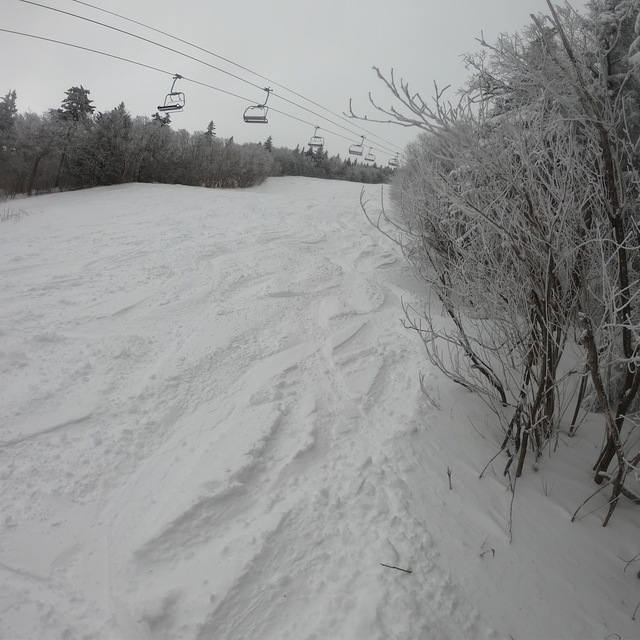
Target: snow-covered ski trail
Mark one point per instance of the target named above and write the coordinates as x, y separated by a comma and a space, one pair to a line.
211, 427
204, 388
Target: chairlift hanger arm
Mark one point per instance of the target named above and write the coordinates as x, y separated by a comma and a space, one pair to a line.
177, 76
268, 90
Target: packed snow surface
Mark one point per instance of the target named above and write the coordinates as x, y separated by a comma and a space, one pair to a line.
212, 428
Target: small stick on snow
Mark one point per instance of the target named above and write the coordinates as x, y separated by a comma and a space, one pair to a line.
398, 568
449, 474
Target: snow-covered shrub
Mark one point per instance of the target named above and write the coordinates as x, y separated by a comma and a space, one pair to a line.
518, 206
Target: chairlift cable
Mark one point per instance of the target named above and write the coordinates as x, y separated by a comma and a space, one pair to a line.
111, 55
133, 35
77, 46
275, 110
337, 124
190, 57
212, 66
235, 64
164, 71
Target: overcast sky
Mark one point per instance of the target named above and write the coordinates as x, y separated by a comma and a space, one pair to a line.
323, 50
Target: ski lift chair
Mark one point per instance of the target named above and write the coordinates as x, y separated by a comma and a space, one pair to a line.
174, 101
394, 161
316, 140
357, 149
257, 114
370, 157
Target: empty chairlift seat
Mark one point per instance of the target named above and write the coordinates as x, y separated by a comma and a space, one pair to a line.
257, 114
174, 101
357, 149
316, 140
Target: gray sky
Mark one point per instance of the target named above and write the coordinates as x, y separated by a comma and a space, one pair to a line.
323, 50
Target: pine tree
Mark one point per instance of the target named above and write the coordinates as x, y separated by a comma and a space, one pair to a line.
109, 146
211, 130
8, 111
161, 120
76, 106
75, 110
268, 145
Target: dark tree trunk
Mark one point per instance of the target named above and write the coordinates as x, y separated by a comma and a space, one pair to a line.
34, 173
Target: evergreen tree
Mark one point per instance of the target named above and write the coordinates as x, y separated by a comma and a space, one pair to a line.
211, 130
162, 121
8, 111
76, 106
75, 110
101, 154
320, 158
268, 145
109, 145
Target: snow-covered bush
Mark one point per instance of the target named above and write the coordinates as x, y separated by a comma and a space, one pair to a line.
518, 206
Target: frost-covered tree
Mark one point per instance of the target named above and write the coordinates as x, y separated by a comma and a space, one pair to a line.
211, 130
36, 138
77, 105
111, 147
108, 150
74, 117
531, 180
163, 121
8, 112
151, 150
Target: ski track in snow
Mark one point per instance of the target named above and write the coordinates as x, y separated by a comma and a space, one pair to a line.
199, 389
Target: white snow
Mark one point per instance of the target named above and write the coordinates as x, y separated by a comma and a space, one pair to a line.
212, 427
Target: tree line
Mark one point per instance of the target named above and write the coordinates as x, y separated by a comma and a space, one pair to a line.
75, 147
519, 205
